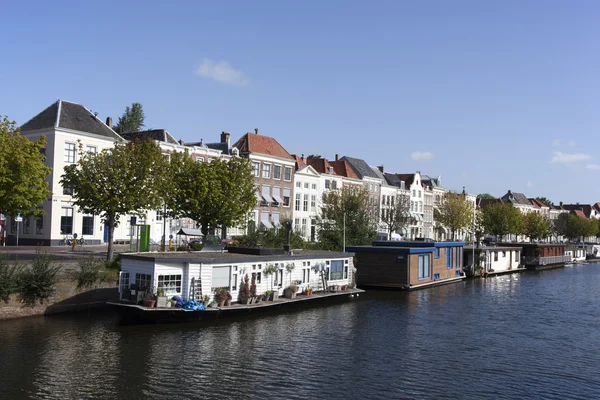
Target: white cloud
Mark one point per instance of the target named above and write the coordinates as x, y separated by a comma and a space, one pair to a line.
556, 142
571, 143
529, 184
568, 158
421, 155
221, 71
592, 166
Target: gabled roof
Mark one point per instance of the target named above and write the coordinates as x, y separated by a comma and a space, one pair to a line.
586, 209
393, 179
538, 204
516, 198
321, 165
485, 202
260, 144
578, 213
407, 178
160, 135
67, 115
380, 175
360, 167
343, 168
431, 182
299, 161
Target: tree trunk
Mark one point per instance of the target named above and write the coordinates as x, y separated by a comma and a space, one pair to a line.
110, 220
204, 230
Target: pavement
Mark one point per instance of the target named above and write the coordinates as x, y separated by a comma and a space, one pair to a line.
26, 253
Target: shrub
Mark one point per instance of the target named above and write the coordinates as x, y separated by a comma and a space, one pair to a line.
244, 289
36, 283
9, 283
89, 270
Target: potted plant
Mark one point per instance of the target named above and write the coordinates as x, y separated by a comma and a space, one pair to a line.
229, 298
206, 300
253, 289
221, 296
245, 297
308, 291
161, 298
290, 268
290, 291
149, 299
270, 270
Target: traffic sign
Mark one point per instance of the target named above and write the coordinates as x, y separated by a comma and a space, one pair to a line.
19, 217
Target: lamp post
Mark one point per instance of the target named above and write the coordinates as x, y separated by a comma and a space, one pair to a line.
344, 236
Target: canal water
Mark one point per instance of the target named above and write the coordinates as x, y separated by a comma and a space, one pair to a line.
523, 336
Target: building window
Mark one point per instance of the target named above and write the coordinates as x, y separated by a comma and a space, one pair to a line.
221, 277
313, 201
26, 225
336, 270
277, 172
305, 203
66, 221
143, 281
88, 225
304, 226
266, 195
424, 266
159, 215
171, 284
495, 256
256, 168
266, 171
287, 174
297, 224
414, 194
70, 153
201, 159
297, 202
334, 184
306, 185
298, 184
287, 193
277, 200
39, 226
327, 183
92, 149
275, 220
314, 186
68, 191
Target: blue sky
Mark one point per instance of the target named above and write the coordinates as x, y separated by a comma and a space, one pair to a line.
491, 96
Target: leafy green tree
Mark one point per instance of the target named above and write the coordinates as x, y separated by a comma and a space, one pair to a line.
455, 212
574, 227
23, 185
351, 204
216, 193
545, 200
132, 119
486, 196
117, 181
272, 238
500, 219
535, 226
398, 216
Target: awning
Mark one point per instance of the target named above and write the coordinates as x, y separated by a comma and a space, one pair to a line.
190, 232
266, 197
266, 223
258, 196
278, 199
277, 224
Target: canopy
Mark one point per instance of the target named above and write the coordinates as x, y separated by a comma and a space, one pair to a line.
190, 232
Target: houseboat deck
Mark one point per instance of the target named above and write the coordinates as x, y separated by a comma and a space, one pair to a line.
400, 286
505, 271
133, 313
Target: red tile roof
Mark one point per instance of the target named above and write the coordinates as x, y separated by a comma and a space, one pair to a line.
538, 204
321, 165
342, 168
260, 144
299, 162
485, 202
579, 213
586, 209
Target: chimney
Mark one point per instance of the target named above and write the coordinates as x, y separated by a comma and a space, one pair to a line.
302, 158
561, 204
181, 142
380, 167
225, 138
109, 122
337, 156
256, 131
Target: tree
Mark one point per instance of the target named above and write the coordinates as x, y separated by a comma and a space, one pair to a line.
220, 192
349, 204
132, 119
545, 201
500, 219
535, 226
486, 196
455, 212
398, 216
573, 227
23, 185
117, 181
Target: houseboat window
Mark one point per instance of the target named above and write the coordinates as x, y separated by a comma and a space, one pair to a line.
424, 266
436, 277
308, 263
256, 275
170, 283
503, 254
234, 282
143, 281
221, 277
458, 257
495, 256
306, 275
124, 282
336, 271
345, 272
437, 253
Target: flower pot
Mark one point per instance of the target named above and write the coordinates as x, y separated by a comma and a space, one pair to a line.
221, 303
249, 300
161, 301
275, 295
228, 302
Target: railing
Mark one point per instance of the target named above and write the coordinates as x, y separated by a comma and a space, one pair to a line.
548, 260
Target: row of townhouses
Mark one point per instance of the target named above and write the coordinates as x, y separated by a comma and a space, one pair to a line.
288, 187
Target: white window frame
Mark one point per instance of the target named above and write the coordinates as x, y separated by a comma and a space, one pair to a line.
266, 171
70, 152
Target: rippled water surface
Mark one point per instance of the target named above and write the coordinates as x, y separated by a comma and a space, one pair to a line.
524, 336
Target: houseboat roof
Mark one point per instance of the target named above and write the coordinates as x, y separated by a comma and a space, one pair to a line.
391, 246
494, 248
225, 257
415, 243
531, 245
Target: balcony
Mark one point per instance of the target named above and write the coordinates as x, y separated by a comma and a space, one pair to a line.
536, 261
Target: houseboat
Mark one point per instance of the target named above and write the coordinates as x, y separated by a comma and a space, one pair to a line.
537, 256
494, 260
408, 265
577, 254
198, 276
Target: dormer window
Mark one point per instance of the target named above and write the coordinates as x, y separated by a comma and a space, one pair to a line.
331, 170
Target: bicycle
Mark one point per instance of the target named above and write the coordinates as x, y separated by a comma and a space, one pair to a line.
66, 241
